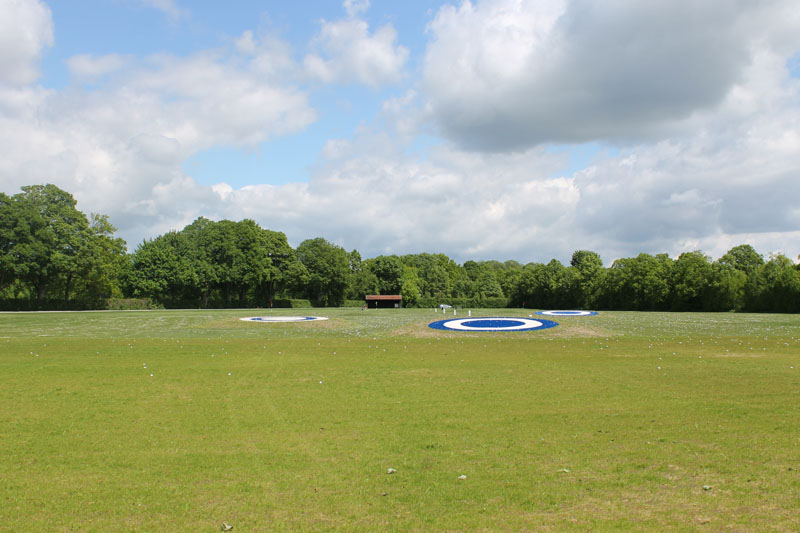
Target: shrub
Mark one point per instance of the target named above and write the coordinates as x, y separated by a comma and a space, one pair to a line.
127, 304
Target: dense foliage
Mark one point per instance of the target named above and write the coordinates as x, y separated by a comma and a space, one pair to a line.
53, 255
49, 249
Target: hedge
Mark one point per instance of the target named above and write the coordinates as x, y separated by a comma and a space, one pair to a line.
117, 304
462, 303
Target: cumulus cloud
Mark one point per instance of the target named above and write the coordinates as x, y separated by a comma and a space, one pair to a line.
721, 171
732, 178
575, 70
727, 177
119, 145
26, 29
344, 51
383, 203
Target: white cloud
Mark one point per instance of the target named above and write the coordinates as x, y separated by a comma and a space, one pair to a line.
724, 174
26, 28
344, 51
87, 68
119, 147
354, 8
728, 177
734, 176
577, 71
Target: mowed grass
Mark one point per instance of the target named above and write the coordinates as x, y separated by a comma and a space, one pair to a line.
183, 420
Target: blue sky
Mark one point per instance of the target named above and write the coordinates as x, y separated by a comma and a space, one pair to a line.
141, 29
491, 129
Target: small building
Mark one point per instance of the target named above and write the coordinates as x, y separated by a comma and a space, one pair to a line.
384, 301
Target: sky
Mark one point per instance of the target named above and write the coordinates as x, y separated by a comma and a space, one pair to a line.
491, 129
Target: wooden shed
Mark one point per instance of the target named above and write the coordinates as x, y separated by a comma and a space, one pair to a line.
384, 301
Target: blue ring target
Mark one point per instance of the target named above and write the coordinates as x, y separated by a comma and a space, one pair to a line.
282, 319
479, 324
566, 313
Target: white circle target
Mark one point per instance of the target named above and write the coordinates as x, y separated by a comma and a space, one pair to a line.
282, 319
566, 313
492, 324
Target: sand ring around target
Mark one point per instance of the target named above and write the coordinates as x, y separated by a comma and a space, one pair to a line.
566, 313
282, 319
492, 324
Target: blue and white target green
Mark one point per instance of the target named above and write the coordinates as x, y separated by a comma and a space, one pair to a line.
566, 313
479, 324
282, 319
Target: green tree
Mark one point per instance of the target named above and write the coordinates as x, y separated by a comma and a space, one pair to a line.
691, 280
328, 268
639, 283
15, 237
487, 286
297, 279
389, 271
199, 270
282, 259
410, 289
362, 281
156, 269
240, 255
55, 249
547, 286
434, 280
776, 286
727, 288
437, 282
743, 258
106, 260
588, 269
508, 276
473, 269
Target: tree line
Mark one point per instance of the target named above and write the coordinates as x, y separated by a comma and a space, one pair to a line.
52, 254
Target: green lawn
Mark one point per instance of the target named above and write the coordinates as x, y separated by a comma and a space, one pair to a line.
183, 420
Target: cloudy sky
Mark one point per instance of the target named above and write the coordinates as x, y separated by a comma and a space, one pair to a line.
491, 129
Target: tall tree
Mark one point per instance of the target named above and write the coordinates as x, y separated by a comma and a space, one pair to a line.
389, 271
726, 291
55, 249
199, 271
487, 286
15, 236
639, 283
328, 267
743, 258
362, 280
156, 269
588, 269
106, 260
282, 259
690, 281
777, 286
410, 289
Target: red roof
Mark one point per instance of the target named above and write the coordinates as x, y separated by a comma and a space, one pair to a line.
383, 297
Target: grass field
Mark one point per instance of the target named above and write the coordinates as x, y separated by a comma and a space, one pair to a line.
185, 420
